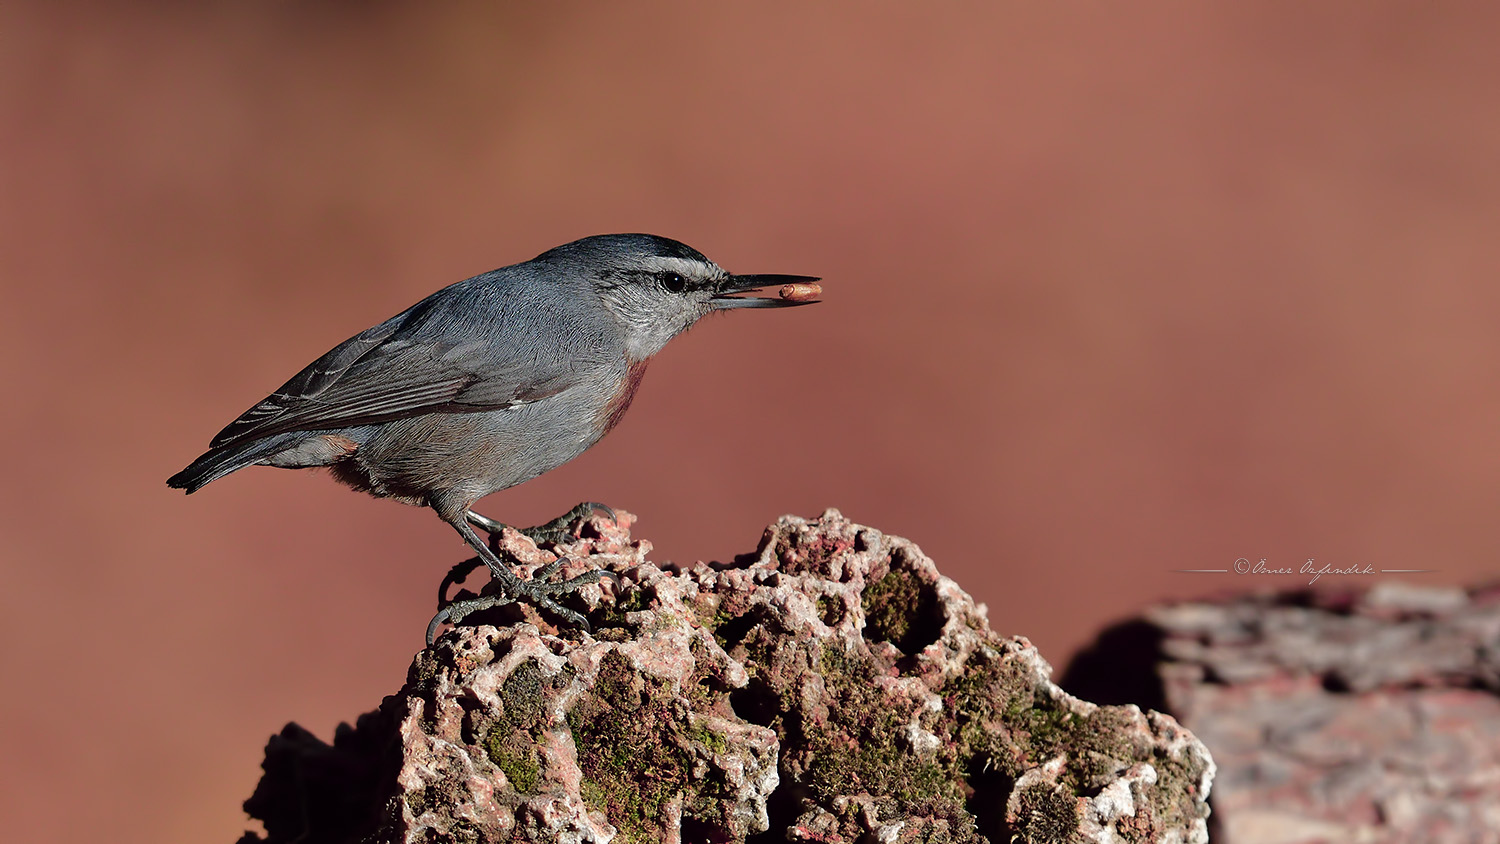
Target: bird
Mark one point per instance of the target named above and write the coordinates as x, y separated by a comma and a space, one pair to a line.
488, 383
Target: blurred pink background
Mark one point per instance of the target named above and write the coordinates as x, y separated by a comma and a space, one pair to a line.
1111, 290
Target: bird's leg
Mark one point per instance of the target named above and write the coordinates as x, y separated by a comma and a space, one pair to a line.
556, 531
485, 523
536, 591
455, 611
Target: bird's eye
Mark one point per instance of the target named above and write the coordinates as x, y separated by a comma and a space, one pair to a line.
673, 282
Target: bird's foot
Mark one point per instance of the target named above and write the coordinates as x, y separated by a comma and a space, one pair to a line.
560, 529
538, 592
557, 531
458, 610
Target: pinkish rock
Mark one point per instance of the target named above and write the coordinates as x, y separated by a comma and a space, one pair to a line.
833, 687
1366, 716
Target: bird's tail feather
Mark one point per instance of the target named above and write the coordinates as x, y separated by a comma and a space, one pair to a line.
218, 462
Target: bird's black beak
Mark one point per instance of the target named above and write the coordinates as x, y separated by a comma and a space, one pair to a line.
795, 290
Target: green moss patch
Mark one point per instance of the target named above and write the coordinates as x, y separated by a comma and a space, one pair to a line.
638, 750
1046, 814
857, 748
902, 609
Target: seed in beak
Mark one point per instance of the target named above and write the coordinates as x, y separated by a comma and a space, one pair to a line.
802, 291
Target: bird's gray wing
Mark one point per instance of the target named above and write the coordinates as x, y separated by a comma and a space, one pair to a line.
398, 369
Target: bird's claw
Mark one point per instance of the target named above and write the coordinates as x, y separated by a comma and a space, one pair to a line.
560, 529
538, 591
457, 611
540, 574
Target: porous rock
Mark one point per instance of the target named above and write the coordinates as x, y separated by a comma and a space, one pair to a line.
832, 687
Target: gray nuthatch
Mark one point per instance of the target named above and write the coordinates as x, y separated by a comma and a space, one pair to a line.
488, 383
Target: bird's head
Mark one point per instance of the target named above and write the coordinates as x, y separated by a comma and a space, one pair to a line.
657, 287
